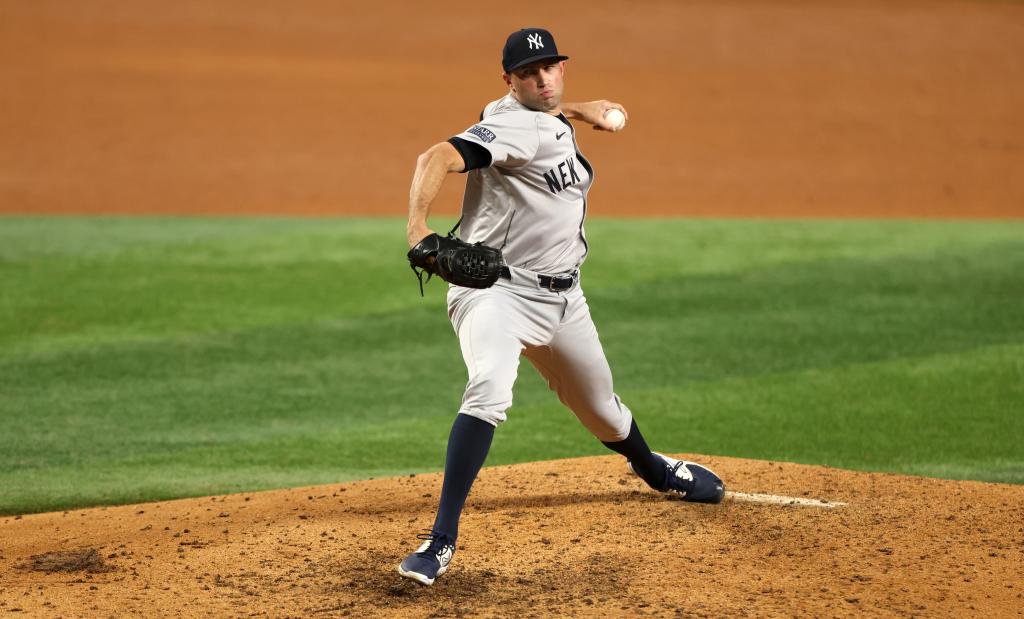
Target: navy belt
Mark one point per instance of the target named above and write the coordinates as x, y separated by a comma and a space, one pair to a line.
553, 283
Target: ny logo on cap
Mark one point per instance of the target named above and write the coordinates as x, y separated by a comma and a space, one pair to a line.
534, 40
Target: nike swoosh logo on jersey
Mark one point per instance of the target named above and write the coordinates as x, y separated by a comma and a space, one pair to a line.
558, 136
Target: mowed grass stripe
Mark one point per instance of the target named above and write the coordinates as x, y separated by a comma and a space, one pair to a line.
957, 410
69, 280
167, 357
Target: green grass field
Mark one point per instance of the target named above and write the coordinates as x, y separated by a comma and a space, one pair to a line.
149, 358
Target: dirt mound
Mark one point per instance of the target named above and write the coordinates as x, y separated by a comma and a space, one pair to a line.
579, 537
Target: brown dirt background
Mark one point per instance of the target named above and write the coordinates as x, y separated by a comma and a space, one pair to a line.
773, 108
564, 538
840, 109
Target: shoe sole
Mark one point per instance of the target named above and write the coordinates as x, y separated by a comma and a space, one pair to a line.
420, 578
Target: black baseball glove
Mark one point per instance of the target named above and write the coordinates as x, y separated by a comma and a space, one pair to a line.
456, 261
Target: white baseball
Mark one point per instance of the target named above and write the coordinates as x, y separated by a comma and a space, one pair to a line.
616, 118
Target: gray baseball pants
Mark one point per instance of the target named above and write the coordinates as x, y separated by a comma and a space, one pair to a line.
554, 331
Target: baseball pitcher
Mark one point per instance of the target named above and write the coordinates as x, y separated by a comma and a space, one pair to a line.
514, 281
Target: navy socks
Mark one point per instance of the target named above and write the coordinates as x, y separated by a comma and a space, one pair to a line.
468, 444
648, 466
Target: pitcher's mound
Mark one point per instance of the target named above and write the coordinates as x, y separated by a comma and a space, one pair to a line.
579, 537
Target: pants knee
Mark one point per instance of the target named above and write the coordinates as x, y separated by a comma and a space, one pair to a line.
487, 399
609, 422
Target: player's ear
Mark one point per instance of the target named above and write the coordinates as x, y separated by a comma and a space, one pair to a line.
508, 80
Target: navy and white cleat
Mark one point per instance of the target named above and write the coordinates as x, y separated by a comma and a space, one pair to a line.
430, 560
690, 481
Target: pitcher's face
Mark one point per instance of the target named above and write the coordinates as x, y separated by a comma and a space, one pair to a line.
538, 85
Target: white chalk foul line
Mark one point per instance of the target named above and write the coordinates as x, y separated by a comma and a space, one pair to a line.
781, 500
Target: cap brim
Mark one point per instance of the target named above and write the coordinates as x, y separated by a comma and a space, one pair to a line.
527, 61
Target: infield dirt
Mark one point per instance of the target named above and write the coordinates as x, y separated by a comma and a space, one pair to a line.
562, 538
782, 108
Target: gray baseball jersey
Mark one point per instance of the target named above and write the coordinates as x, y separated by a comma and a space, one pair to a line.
529, 197
532, 199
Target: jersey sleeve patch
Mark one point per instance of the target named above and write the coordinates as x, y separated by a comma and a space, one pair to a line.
483, 133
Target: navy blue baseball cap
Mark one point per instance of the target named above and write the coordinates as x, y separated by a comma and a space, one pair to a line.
528, 45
